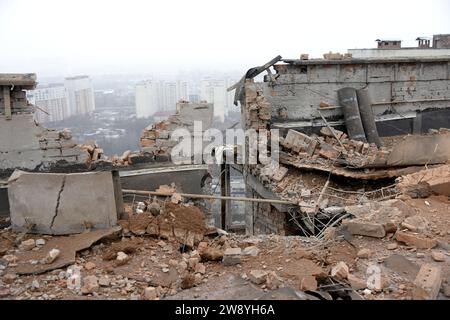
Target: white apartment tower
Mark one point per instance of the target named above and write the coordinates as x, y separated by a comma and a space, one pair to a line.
80, 94
155, 96
52, 102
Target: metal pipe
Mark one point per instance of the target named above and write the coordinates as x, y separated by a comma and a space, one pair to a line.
204, 196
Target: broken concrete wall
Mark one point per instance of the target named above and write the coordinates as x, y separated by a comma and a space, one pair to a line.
298, 89
52, 203
156, 139
27, 145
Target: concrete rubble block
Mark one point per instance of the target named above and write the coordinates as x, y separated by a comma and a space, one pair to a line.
416, 240
438, 256
257, 276
416, 224
299, 142
280, 173
356, 283
308, 283
90, 285
251, 251
435, 180
65, 203
364, 228
273, 281
427, 283
232, 256
340, 271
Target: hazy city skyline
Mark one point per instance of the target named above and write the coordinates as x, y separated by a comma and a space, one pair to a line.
63, 38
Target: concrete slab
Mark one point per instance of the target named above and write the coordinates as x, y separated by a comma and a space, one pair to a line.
53, 203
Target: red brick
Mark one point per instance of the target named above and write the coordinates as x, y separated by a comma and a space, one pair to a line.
416, 240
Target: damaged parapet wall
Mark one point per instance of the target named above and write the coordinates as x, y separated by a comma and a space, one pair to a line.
414, 92
53, 203
24, 143
156, 139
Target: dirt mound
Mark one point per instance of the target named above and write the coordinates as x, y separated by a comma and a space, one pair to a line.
189, 218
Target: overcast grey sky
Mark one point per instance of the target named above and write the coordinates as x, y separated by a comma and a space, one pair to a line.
66, 37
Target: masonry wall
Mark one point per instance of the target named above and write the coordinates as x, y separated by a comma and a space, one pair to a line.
156, 139
26, 145
298, 90
266, 219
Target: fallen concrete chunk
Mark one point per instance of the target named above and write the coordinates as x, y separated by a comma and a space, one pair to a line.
250, 251
340, 271
402, 266
416, 240
68, 246
90, 285
308, 283
356, 283
364, 253
28, 244
150, 293
51, 256
438, 256
273, 281
232, 256
257, 276
368, 229
65, 203
427, 283
415, 224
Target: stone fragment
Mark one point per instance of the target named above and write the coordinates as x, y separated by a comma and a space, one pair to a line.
89, 265
90, 285
257, 276
368, 229
122, 258
427, 283
392, 246
28, 244
250, 251
340, 271
308, 283
416, 224
51, 256
416, 240
211, 254
356, 283
200, 268
150, 293
104, 282
9, 278
438, 256
273, 281
40, 242
232, 256
364, 253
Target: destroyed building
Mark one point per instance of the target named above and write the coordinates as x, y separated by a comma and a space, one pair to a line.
304, 99
361, 184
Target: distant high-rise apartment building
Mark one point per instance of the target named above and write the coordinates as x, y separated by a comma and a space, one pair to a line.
215, 91
80, 94
148, 98
159, 96
52, 102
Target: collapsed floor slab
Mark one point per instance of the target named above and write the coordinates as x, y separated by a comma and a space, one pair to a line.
52, 203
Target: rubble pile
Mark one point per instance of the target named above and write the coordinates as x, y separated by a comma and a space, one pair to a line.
155, 140
151, 257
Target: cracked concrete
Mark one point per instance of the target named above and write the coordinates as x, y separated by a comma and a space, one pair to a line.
62, 203
58, 201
